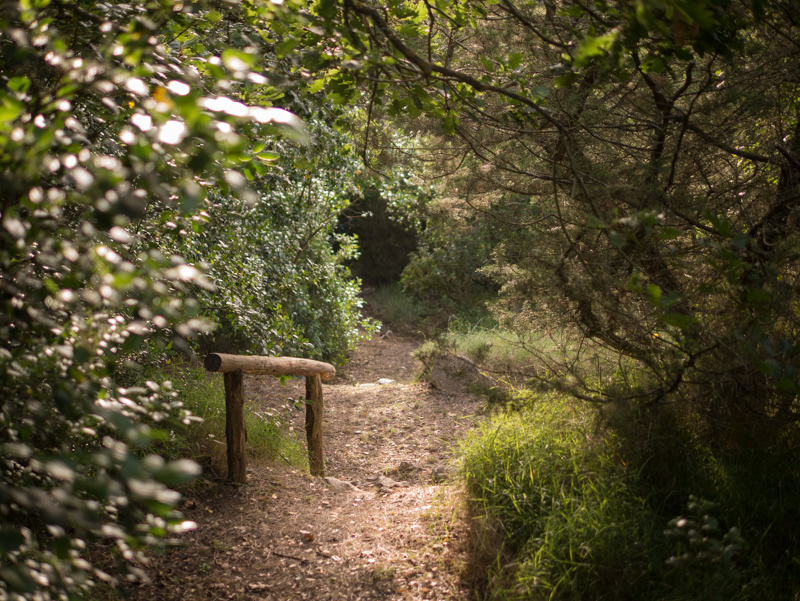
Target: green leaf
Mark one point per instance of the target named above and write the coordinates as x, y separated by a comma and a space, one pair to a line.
740, 241
653, 63
450, 123
422, 12
540, 92
757, 295
634, 283
239, 61
679, 320
268, 155
326, 9
316, 86
616, 239
286, 46
19, 84
18, 578
132, 343
11, 539
338, 98
10, 108
595, 46
723, 226
62, 547
654, 295
566, 80
178, 472
669, 233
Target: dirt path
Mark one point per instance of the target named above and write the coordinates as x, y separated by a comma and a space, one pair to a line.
286, 535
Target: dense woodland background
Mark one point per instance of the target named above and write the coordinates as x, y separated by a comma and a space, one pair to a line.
597, 201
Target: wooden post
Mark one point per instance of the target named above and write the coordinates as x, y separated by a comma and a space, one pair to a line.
314, 407
235, 433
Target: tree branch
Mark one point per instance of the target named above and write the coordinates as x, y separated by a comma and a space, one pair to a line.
750, 156
428, 67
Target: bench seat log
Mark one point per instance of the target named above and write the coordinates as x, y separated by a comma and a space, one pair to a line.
268, 366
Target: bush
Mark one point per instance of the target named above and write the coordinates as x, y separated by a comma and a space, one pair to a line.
281, 287
493, 349
111, 135
395, 307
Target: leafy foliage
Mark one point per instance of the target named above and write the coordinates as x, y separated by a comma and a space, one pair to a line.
104, 124
445, 272
281, 287
640, 164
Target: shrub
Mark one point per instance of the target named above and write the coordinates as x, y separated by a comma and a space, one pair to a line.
398, 309
110, 138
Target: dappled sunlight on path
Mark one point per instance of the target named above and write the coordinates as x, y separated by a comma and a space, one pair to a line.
386, 527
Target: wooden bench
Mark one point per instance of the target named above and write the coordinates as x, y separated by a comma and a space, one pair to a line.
233, 367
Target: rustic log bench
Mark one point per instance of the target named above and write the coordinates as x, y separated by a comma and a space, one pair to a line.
233, 367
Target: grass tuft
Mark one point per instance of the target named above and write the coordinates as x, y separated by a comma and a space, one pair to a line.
500, 353
395, 307
204, 397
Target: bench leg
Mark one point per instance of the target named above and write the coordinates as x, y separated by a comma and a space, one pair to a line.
235, 433
316, 460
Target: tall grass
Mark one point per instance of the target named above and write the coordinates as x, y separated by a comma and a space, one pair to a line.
494, 350
395, 307
204, 441
564, 510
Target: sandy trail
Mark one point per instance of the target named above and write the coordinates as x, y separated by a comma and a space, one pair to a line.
286, 535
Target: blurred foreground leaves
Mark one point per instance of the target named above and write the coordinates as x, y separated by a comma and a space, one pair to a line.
105, 121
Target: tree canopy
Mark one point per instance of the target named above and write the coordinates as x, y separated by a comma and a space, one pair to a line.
642, 162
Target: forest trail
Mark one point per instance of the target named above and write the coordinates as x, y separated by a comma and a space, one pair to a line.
286, 535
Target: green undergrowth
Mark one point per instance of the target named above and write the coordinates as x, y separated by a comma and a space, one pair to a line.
400, 310
564, 509
396, 308
204, 441
495, 350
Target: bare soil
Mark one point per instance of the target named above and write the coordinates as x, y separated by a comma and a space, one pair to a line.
286, 535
